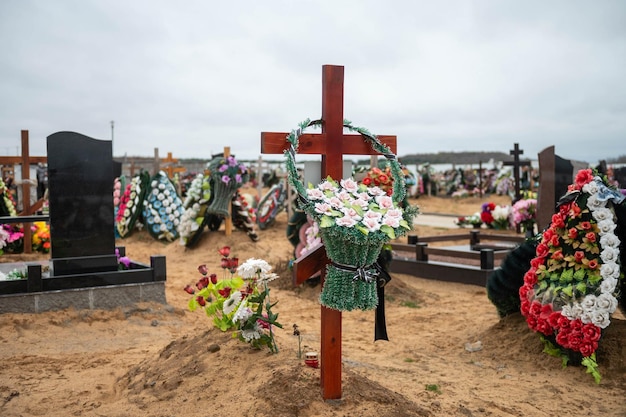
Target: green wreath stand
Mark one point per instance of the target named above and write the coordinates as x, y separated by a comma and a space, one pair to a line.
352, 275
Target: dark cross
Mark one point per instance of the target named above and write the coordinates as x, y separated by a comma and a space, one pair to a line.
332, 144
516, 163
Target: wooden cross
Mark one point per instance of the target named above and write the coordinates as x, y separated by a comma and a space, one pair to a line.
25, 161
516, 163
332, 144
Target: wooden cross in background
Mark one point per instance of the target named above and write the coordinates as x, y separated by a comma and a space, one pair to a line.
332, 144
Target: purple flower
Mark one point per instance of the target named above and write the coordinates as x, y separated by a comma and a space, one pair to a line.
225, 179
232, 162
125, 261
238, 178
222, 168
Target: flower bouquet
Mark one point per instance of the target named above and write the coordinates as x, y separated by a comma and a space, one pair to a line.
163, 209
377, 177
495, 216
119, 186
571, 289
11, 239
41, 237
131, 203
193, 221
227, 175
355, 221
474, 221
240, 303
524, 214
7, 205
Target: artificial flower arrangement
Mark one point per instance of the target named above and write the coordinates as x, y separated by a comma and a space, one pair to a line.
355, 221
193, 220
13, 275
7, 205
474, 221
241, 302
227, 175
524, 214
131, 203
119, 186
495, 216
41, 237
571, 289
11, 239
381, 178
162, 209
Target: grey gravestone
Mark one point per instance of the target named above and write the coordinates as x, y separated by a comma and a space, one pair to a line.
80, 178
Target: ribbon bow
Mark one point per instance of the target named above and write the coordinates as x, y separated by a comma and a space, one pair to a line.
364, 273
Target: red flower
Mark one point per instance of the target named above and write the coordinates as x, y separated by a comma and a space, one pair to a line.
557, 221
203, 269
591, 237
224, 263
367, 181
593, 264
530, 277
584, 176
558, 255
579, 255
225, 292
555, 241
213, 279
202, 283
189, 289
572, 233
201, 300
591, 332
486, 217
585, 225
542, 250
224, 251
587, 348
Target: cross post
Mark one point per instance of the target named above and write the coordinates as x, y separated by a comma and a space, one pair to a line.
332, 144
516, 164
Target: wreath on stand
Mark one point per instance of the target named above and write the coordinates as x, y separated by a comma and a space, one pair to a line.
355, 221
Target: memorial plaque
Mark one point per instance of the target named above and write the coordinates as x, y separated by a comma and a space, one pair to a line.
80, 181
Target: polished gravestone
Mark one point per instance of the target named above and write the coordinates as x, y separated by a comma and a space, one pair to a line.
80, 178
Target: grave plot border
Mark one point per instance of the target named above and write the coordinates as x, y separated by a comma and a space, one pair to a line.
499, 246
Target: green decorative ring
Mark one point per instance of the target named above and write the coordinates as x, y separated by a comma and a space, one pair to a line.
399, 189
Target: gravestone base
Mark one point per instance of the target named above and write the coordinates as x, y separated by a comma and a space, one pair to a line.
90, 298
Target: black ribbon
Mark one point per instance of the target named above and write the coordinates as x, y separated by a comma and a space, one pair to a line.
364, 273
371, 273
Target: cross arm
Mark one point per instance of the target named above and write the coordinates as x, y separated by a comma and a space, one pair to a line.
307, 265
315, 143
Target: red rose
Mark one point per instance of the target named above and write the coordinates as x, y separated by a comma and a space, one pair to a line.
585, 225
587, 348
591, 332
584, 176
593, 264
486, 217
525, 307
544, 327
542, 250
536, 262
547, 235
558, 255
572, 233
562, 339
591, 237
575, 210
574, 340
535, 308
579, 255
530, 277
557, 221
555, 241
554, 319
367, 181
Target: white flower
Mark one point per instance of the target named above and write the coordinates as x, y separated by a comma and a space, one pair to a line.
327, 186
243, 312
251, 334
232, 302
349, 211
323, 208
609, 254
154, 183
606, 302
372, 224
606, 226
591, 187
391, 221
349, 185
572, 311
253, 268
594, 203
602, 214
346, 221
376, 191
335, 203
384, 201
589, 302
609, 240
601, 318
610, 270
608, 285
161, 186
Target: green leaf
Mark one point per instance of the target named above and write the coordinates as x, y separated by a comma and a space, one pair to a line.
362, 229
568, 290
388, 230
405, 224
326, 221
592, 367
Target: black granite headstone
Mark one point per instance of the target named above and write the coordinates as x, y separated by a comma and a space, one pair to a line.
563, 176
80, 178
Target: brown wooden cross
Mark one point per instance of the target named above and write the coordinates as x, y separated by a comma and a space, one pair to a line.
26, 160
332, 144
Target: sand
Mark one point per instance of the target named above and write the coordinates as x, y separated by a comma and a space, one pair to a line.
163, 360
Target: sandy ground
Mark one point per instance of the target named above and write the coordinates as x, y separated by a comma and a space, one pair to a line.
162, 360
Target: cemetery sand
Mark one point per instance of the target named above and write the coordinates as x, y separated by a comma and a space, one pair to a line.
161, 360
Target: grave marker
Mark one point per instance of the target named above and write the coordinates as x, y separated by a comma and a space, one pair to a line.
332, 144
80, 181
516, 164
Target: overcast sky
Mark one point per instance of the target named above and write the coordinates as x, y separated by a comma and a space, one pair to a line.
190, 77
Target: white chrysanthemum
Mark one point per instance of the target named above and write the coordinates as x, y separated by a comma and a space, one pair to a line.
243, 312
251, 334
232, 302
253, 268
